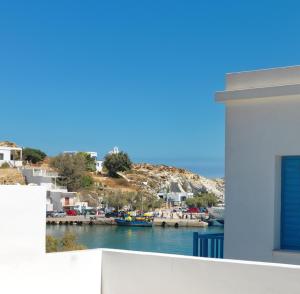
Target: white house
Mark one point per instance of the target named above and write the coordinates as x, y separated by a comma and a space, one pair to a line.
99, 165
175, 194
58, 197
262, 174
11, 155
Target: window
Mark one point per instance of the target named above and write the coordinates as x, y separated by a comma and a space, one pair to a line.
1, 156
290, 202
67, 201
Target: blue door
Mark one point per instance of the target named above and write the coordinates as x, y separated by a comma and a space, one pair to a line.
290, 203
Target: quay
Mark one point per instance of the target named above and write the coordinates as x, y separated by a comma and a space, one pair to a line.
80, 220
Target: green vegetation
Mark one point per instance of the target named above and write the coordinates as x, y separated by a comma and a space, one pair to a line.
86, 181
133, 200
117, 162
33, 155
4, 165
72, 170
67, 243
90, 163
202, 200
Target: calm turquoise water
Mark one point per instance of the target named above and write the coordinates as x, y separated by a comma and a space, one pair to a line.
156, 239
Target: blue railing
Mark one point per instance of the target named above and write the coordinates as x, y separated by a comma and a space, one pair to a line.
208, 245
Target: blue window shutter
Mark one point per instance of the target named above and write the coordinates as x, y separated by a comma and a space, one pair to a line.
290, 202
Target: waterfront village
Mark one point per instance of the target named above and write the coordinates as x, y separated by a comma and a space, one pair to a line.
81, 189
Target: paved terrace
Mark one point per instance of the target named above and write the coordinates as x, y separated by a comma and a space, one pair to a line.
26, 268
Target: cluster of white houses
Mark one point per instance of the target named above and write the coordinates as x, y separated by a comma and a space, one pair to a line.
58, 197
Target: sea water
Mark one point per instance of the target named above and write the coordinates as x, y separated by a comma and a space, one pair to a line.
155, 239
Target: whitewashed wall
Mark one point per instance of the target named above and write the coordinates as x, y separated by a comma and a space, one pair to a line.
258, 132
22, 221
61, 273
148, 273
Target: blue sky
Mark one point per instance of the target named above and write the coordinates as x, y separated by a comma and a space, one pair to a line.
89, 75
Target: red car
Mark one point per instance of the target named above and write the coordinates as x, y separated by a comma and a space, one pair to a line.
193, 210
71, 212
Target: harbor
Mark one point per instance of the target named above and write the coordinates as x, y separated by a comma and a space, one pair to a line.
156, 239
160, 222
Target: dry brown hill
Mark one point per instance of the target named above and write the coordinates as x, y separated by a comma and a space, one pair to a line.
7, 144
152, 179
11, 176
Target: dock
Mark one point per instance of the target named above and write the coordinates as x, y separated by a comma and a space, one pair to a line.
161, 222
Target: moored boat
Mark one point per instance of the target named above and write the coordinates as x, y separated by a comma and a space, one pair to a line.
133, 223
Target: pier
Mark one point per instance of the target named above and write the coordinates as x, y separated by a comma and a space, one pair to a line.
80, 220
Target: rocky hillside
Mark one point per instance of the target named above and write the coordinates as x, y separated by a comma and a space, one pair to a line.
7, 144
153, 179
11, 176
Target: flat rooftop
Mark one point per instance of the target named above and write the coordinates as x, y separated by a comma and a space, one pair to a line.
273, 82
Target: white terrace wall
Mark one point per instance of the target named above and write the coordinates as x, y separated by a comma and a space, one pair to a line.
61, 273
22, 221
148, 273
24, 265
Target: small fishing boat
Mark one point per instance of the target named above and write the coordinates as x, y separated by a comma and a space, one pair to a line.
133, 223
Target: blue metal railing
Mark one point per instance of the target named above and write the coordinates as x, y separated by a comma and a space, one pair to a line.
208, 245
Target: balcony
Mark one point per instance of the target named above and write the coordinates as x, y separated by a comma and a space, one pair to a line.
44, 173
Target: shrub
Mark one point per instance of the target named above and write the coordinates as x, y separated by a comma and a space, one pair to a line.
51, 244
117, 162
72, 170
202, 200
90, 162
86, 181
33, 155
67, 243
5, 165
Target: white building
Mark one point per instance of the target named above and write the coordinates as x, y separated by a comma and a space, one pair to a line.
174, 193
11, 155
99, 165
175, 198
262, 175
58, 197
114, 151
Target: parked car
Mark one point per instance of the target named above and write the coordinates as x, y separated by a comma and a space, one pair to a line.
49, 213
60, 213
115, 214
193, 210
111, 214
71, 212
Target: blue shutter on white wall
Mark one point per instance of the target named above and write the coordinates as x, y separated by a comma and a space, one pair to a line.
290, 202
